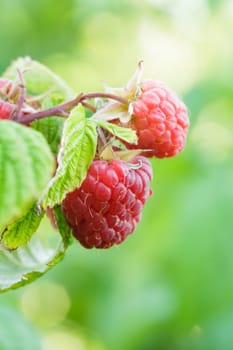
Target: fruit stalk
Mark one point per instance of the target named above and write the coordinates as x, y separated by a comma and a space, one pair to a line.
63, 109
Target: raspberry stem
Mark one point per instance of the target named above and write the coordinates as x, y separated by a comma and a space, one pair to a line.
63, 109
22, 94
59, 110
105, 95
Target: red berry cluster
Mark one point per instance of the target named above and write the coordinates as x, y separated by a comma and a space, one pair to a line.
160, 119
108, 205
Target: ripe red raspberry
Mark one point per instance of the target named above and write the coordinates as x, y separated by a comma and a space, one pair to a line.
108, 205
6, 109
160, 120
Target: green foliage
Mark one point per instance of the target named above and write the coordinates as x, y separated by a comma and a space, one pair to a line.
51, 128
49, 90
39, 79
26, 165
33, 259
20, 232
124, 134
64, 229
78, 147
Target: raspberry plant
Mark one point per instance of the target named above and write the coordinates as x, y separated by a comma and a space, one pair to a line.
79, 159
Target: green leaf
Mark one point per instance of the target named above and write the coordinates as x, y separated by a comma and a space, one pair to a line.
125, 134
78, 149
28, 262
64, 229
26, 166
51, 128
39, 79
21, 231
50, 89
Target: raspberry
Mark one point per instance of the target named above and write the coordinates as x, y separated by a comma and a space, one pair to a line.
6, 109
108, 205
160, 120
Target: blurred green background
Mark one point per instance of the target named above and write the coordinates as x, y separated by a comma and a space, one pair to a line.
170, 285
